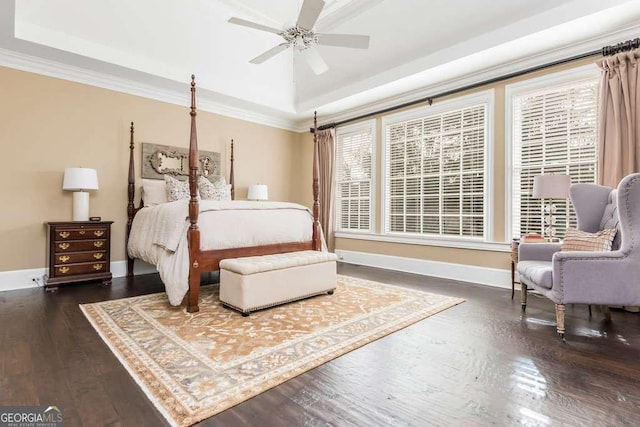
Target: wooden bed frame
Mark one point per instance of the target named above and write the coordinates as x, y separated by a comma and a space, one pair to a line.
201, 261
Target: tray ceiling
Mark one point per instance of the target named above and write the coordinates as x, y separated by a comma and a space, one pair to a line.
414, 44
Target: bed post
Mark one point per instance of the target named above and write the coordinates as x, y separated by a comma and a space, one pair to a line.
131, 191
316, 239
233, 189
193, 234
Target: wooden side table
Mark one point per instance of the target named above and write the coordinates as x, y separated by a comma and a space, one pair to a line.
79, 251
514, 260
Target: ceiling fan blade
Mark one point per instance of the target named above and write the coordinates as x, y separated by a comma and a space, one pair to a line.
254, 25
268, 54
309, 13
315, 61
344, 40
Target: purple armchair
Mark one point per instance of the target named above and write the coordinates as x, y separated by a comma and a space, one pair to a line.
598, 278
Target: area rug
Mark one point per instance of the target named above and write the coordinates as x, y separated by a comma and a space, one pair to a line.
193, 366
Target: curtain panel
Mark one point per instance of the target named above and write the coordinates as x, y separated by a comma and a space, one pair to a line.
326, 162
618, 149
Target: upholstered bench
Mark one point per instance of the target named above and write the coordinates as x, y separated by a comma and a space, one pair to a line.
253, 283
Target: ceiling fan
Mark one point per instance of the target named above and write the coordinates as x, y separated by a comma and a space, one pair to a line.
303, 38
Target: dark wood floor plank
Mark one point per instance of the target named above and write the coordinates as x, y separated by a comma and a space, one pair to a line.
483, 362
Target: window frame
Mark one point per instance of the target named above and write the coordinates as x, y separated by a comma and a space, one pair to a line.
369, 125
565, 77
486, 97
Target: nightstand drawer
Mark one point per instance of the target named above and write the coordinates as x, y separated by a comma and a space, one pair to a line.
81, 233
72, 258
77, 246
72, 269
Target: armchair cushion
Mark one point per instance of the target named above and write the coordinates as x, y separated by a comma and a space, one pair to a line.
537, 251
538, 272
576, 240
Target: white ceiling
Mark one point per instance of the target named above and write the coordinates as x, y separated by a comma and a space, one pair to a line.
416, 46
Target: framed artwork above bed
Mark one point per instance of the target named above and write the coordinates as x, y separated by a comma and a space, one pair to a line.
160, 160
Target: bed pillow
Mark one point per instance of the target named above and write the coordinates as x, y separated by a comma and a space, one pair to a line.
576, 240
176, 189
218, 190
154, 192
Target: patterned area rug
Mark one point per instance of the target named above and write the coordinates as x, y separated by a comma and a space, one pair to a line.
193, 366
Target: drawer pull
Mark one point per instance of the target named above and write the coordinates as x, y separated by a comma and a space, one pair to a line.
98, 233
64, 258
63, 270
98, 255
63, 246
64, 234
97, 267
81, 232
98, 244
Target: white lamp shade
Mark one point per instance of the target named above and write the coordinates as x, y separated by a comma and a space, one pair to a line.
76, 179
258, 192
551, 186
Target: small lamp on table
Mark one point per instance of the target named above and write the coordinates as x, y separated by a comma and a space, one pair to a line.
80, 180
551, 186
258, 192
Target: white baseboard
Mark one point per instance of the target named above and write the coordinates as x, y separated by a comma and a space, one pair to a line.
24, 279
119, 268
465, 273
21, 279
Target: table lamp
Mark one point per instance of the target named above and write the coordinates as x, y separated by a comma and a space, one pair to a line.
79, 180
258, 192
551, 187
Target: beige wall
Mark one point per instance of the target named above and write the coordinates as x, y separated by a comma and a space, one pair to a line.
494, 259
48, 124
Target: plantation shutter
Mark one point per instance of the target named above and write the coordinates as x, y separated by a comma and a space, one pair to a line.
353, 180
435, 174
555, 132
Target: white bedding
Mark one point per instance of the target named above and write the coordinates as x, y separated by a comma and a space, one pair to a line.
159, 233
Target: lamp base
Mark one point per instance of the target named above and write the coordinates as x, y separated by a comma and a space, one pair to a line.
81, 206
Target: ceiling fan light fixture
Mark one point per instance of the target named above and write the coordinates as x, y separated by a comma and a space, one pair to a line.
303, 38
300, 38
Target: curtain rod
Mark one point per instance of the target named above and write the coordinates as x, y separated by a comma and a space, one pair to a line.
605, 51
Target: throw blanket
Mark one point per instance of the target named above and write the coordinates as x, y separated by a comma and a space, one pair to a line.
159, 233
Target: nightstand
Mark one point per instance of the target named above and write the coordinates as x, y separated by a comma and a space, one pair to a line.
79, 251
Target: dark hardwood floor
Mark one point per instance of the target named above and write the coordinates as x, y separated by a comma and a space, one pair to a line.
479, 363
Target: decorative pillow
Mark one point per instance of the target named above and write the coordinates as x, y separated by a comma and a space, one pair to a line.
219, 190
176, 189
576, 240
154, 192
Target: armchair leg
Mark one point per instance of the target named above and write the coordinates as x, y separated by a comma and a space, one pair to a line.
523, 296
606, 312
560, 319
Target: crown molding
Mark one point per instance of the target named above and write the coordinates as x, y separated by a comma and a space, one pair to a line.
46, 67
337, 13
612, 37
249, 12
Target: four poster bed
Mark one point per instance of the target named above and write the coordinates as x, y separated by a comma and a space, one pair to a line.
195, 243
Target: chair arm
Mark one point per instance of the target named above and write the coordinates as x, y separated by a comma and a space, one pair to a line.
537, 251
595, 277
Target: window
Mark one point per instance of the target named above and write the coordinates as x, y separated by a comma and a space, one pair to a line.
435, 180
354, 163
554, 130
